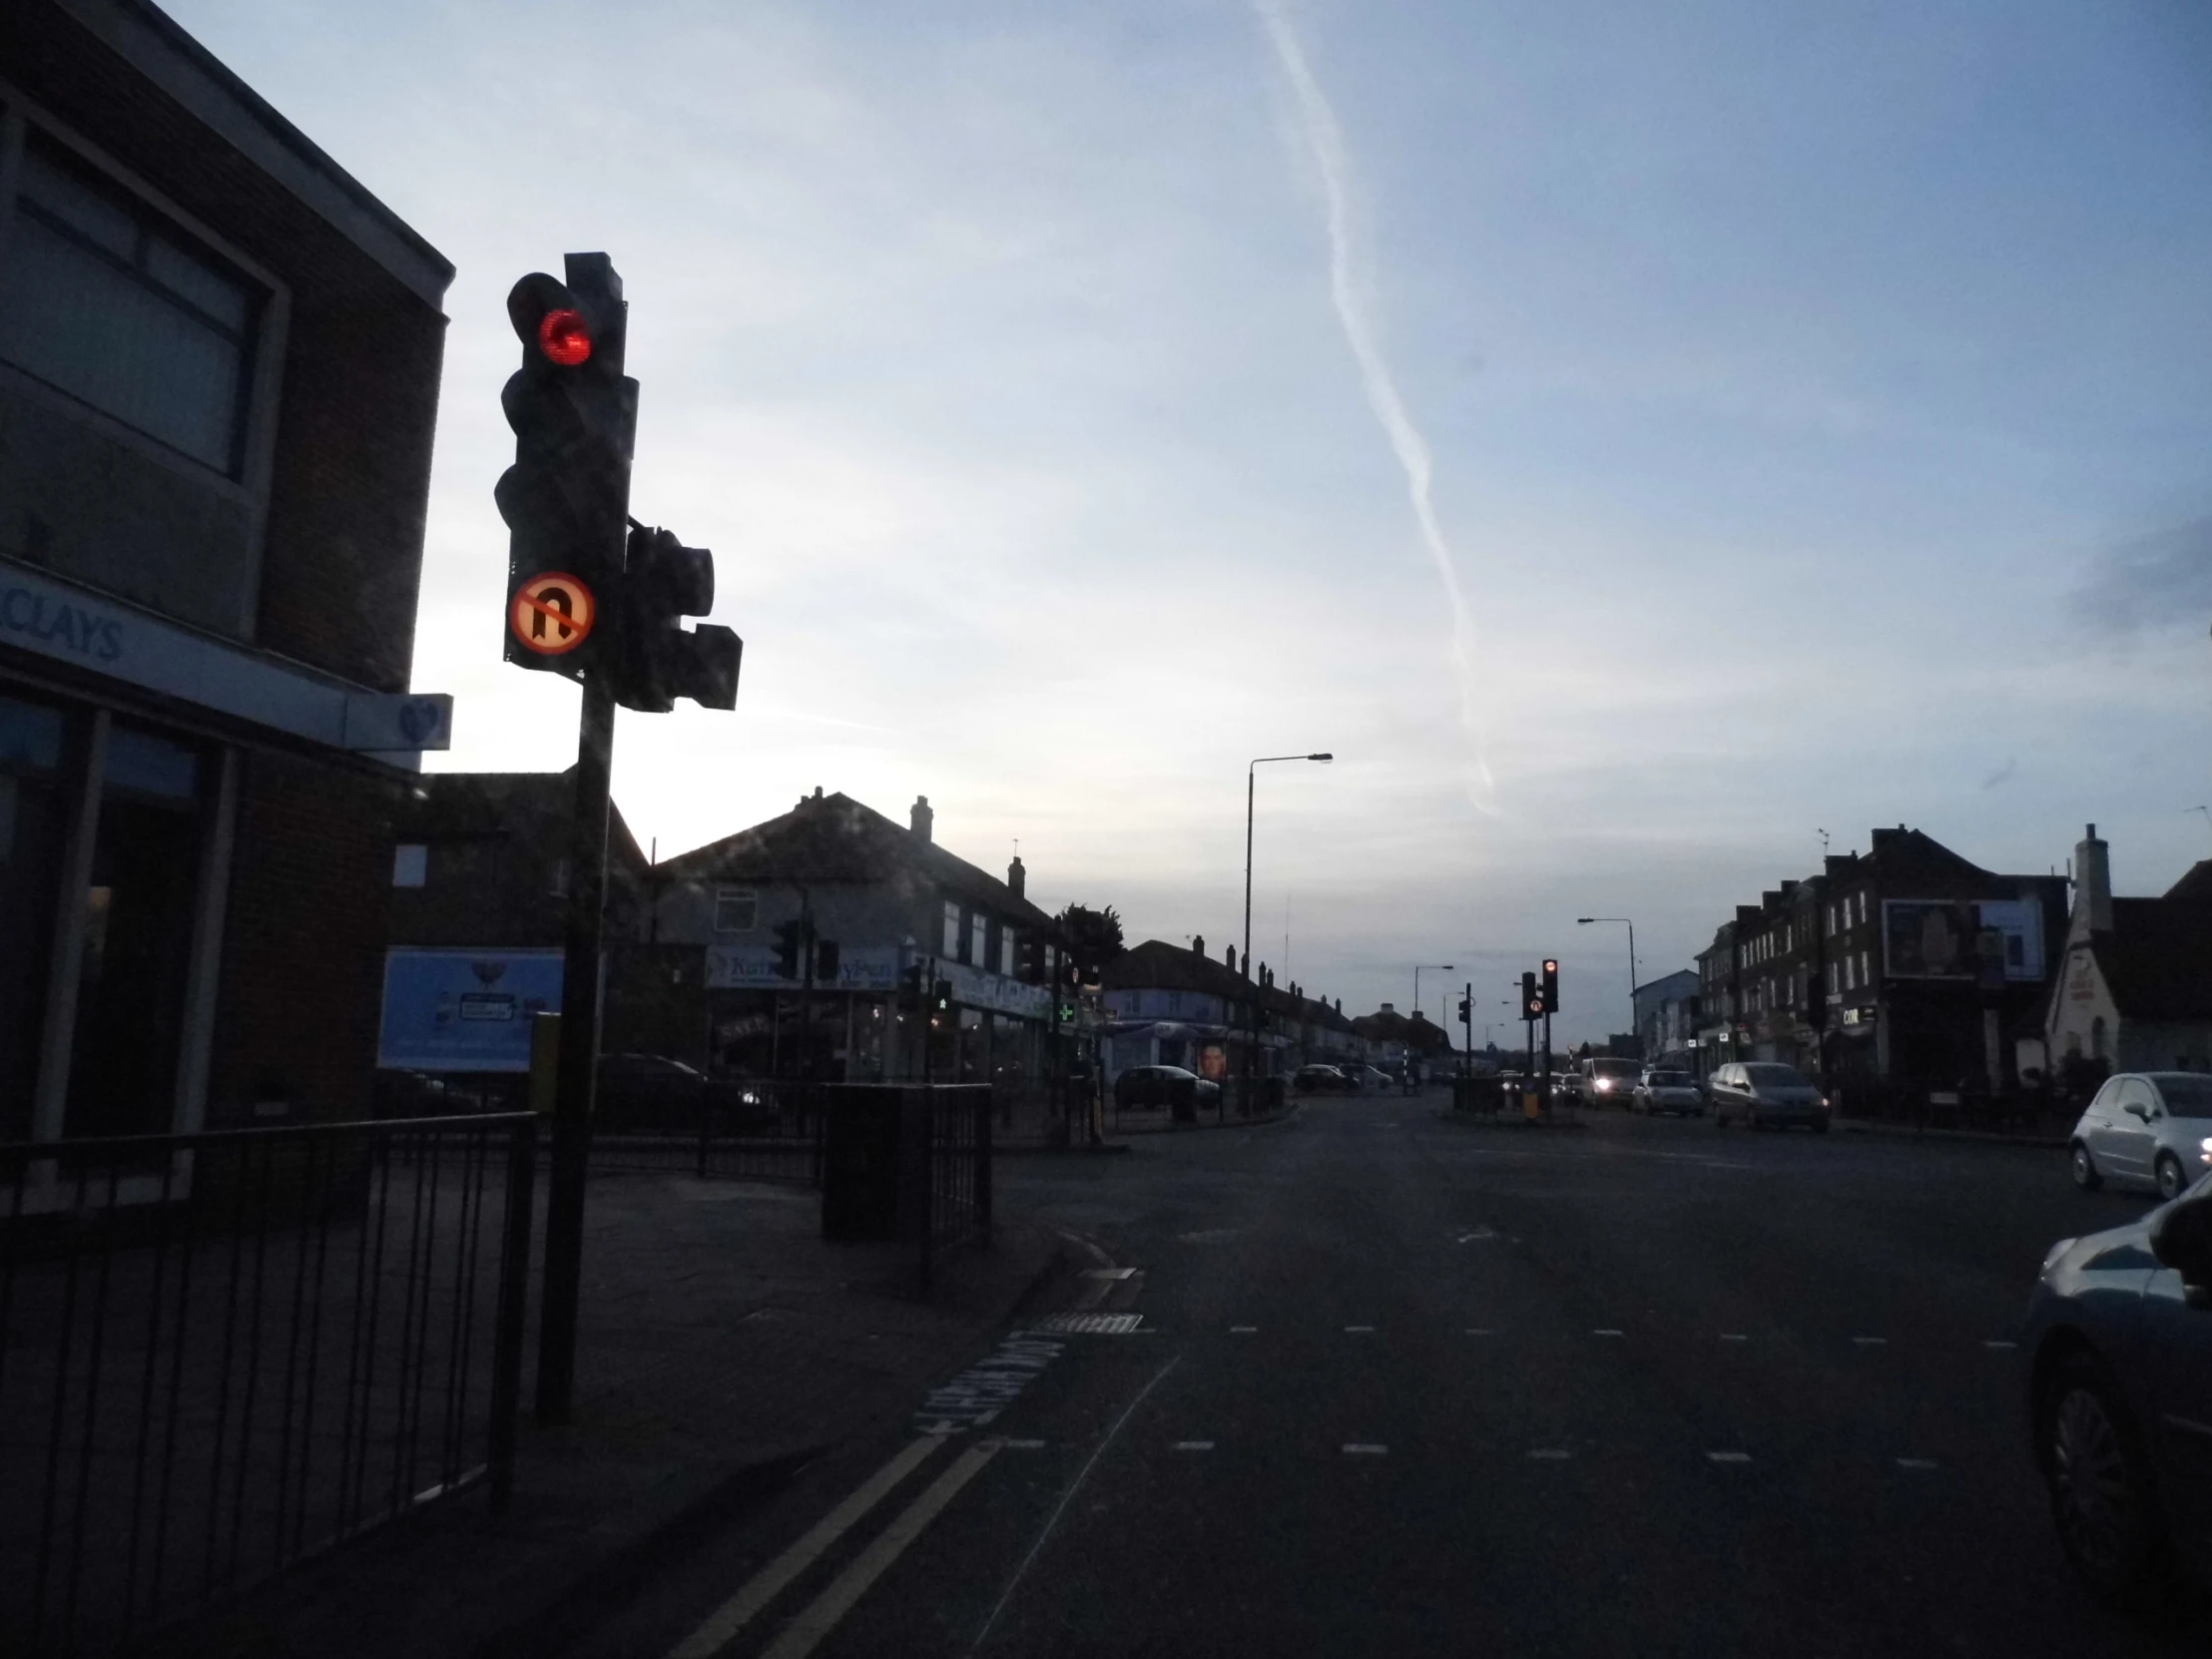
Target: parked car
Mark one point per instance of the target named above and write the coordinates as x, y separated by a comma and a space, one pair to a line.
1367, 1079
1319, 1079
2144, 1128
647, 1092
2119, 1338
1755, 1093
1143, 1088
1667, 1091
1605, 1081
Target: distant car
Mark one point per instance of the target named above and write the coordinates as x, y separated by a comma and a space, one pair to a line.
1667, 1091
2144, 1128
1142, 1088
1757, 1093
647, 1092
1321, 1080
2119, 1340
1367, 1079
1606, 1082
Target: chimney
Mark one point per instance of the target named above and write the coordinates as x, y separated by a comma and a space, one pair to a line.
1388, 1009
1231, 956
2092, 887
1198, 945
1015, 874
922, 818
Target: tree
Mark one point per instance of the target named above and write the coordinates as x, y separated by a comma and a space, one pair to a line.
1094, 938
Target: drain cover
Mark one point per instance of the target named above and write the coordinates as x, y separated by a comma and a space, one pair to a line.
1090, 1324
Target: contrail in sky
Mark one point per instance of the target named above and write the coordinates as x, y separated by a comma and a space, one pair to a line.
1326, 141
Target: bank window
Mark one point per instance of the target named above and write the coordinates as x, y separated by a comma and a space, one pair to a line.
33, 820
104, 301
736, 909
951, 929
410, 865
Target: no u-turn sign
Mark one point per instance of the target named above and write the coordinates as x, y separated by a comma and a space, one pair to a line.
552, 613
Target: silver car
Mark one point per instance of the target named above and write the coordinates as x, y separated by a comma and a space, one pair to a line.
1667, 1091
1757, 1093
2144, 1128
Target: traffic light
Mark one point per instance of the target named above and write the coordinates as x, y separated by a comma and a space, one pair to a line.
566, 499
825, 962
789, 941
1467, 1010
909, 988
941, 1000
1552, 985
1532, 999
660, 659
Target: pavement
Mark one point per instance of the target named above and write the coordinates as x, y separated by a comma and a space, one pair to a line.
1376, 1380
728, 1354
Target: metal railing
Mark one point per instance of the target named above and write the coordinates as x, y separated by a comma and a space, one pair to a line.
764, 1131
222, 1352
956, 1161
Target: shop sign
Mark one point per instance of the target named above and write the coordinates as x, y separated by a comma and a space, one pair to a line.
464, 1010
865, 967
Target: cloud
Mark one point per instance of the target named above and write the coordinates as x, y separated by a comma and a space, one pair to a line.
2159, 581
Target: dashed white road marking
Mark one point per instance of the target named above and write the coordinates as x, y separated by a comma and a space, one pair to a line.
1733, 1336
1550, 1454
1478, 1331
1358, 1329
1727, 1457
1605, 1333
1871, 1341
1998, 1341
1021, 1445
1243, 1330
1918, 1463
1194, 1445
1361, 1449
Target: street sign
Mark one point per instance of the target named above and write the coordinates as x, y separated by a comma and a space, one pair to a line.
552, 613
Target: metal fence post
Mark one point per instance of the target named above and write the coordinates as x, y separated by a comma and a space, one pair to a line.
983, 1175
514, 1292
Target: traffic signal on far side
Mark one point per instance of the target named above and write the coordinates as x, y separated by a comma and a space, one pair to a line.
660, 660
790, 947
1531, 998
1467, 1010
1552, 985
941, 1000
566, 499
909, 988
826, 959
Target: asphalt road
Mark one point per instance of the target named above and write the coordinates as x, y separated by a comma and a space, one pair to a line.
1401, 1385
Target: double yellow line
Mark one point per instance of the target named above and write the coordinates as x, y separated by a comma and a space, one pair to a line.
821, 1615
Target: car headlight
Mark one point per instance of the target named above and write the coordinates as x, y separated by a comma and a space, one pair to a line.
1604, 1085
2051, 1255
2204, 1149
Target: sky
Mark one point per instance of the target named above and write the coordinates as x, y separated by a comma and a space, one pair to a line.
1633, 440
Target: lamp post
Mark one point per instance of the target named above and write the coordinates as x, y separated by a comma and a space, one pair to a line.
1634, 1035
1252, 1003
1433, 967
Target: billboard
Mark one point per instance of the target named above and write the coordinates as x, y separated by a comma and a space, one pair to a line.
464, 1010
1942, 939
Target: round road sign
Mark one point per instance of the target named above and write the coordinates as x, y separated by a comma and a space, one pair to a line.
552, 613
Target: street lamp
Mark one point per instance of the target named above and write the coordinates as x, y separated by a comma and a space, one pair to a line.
1252, 1003
1427, 968
1635, 1036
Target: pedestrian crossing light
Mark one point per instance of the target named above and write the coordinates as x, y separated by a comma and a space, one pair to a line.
941, 1000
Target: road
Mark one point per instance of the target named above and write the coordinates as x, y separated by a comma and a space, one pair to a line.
1403, 1385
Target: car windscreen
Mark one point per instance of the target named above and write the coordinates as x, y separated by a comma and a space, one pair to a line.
1775, 1076
1670, 1079
2187, 1094
1613, 1068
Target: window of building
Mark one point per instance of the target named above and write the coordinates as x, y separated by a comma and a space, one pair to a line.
34, 829
104, 301
953, 929
410, 865
978, 940
1006, 951
1864, 977
736, 909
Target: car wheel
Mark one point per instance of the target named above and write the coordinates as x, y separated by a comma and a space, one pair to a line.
2101, 1498
2085, 1173
1751, 1119
2171, 1180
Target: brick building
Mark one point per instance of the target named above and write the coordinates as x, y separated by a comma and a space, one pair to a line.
1901, 971
219, 379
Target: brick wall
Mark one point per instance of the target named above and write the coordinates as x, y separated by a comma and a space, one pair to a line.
303, 948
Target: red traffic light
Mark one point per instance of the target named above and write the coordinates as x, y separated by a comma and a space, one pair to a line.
564, 336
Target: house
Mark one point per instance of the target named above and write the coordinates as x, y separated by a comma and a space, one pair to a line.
2133, 991
874, 898
219, 360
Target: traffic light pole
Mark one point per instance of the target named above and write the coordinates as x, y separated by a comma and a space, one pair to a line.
1547, 1061
579, 1065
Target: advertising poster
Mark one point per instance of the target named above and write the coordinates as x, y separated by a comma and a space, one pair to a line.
464, 1010
1929, 939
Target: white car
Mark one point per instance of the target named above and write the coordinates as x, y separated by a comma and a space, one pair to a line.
1667, 1091
2145, 1129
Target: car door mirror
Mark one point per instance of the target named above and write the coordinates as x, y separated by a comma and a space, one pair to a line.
2135, 1110
2181, 1239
